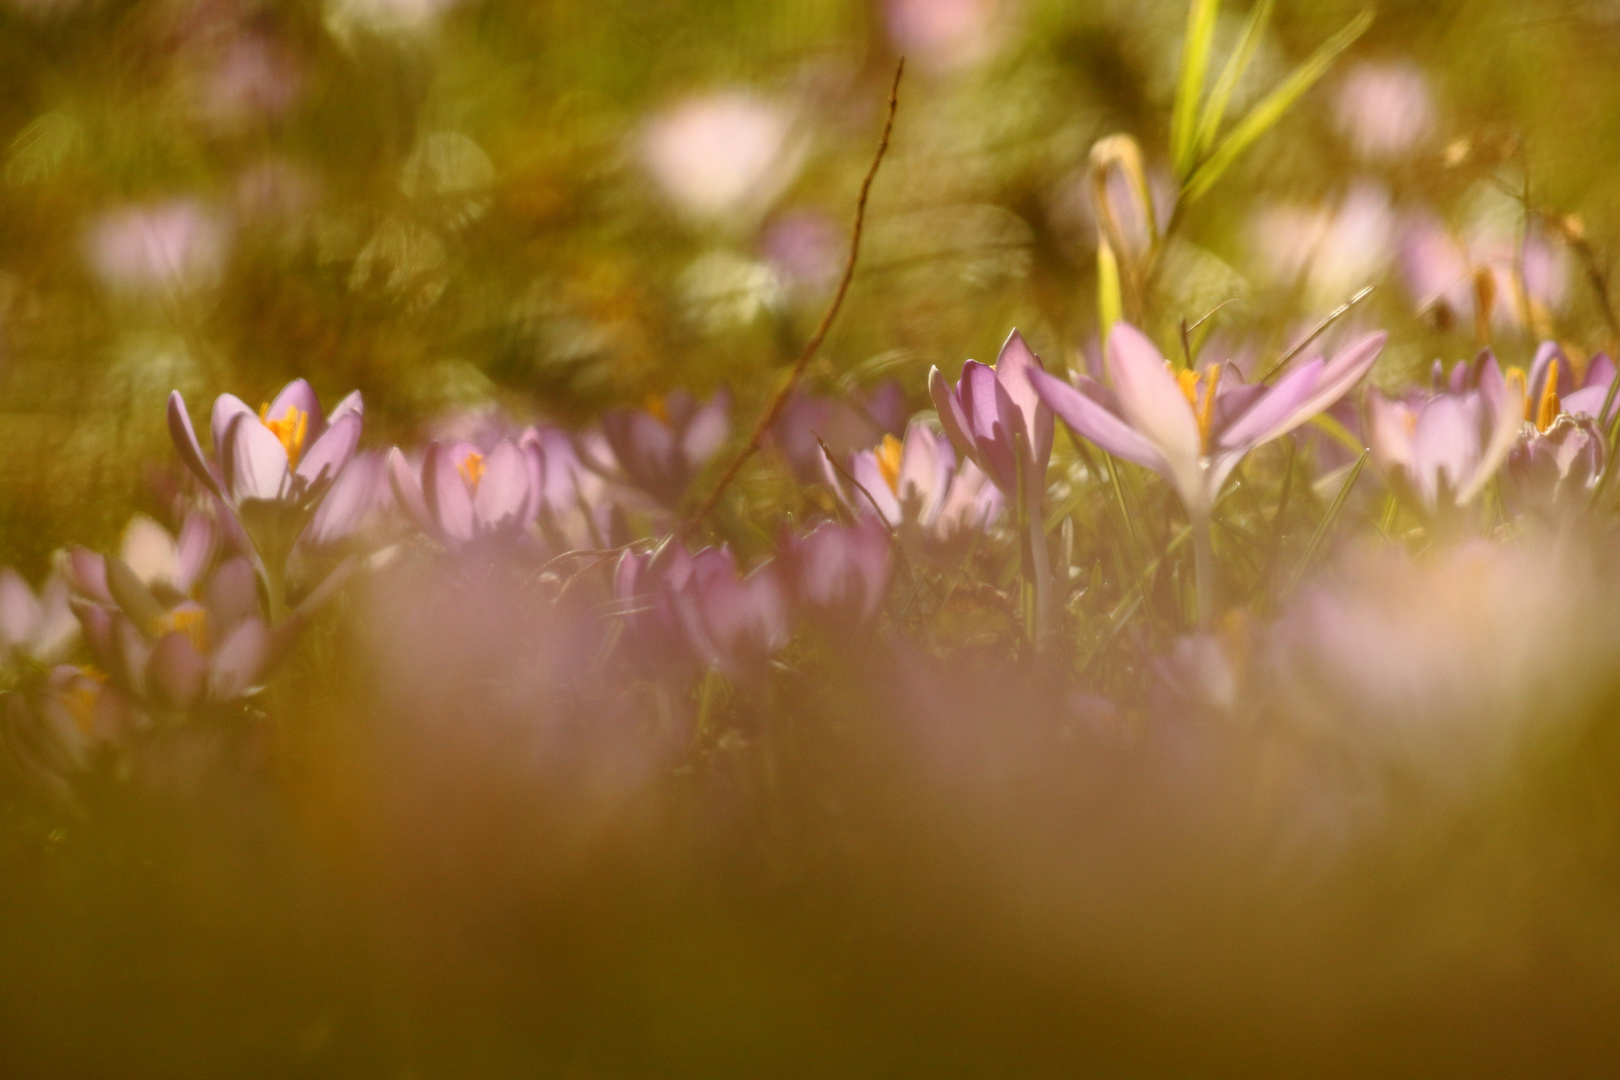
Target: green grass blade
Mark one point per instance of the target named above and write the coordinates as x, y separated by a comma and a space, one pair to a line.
1110, 301
1194, 66
1265, 115
1327, 521
1214, 113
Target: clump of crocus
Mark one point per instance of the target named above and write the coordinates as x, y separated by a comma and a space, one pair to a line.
464, 497
1438, 451
273, 466
659, 450
918, 488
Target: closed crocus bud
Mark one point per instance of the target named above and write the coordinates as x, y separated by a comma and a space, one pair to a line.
840, 572
996, 419
1554, 471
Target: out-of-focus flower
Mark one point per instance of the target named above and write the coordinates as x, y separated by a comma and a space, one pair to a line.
659, 449
1554, 469
1553, 387
1447, 664
158, 248
735, 622
1439, 451
252, 76
284, 456
805, 248
172, 567
465, 497
1385, 109
1474, 277
1193, 427
34, 628
1333, 251
385, 17
918, 488
840, 572
995, 417
843, 424
575, 508
946, 35
722, 155
175, 651
646, 589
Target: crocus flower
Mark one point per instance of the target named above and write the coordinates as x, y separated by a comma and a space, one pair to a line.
1439, 451
575, 508
357, 498
34, 628
282, 457
735, 622
1193, 427
464, 496
1554, 469
840, 572
178, 652
993, 411
658, 450
1553, 387
918, 488
722, 155
807, 421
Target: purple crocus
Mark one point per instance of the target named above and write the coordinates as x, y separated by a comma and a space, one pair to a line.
463, 496
735, 622
34, 628
1193, 427
918, 488
808, 421
1553, 470
996, 418
286, 454
575, 510
1438, 451
658, 450
178, 651
840, 572
1553, 387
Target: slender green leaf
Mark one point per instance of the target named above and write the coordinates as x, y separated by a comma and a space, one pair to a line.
1327, 520
1265, 115
1214, 113
1338, 432
1194, 66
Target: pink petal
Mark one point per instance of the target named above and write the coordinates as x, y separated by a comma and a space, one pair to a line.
1089, 418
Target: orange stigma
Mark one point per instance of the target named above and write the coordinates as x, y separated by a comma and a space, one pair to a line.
1203, 404
1548, 408
888, 462
472, 470
289, 430
656, 406
190, 621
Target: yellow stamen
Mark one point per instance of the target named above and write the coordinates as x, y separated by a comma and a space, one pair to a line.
1549, 407
472, 470
289, 430
1203, 405
82, 697
190, 621
656, 406
888, 462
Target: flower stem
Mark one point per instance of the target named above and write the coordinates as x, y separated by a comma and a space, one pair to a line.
1204, 569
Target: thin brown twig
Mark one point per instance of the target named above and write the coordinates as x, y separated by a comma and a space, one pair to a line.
779, 399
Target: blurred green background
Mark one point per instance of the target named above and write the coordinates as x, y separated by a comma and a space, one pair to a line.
557, 206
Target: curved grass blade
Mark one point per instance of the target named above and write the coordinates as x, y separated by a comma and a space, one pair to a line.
1265, 115
1210, 120
1194, 66
1326, 523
